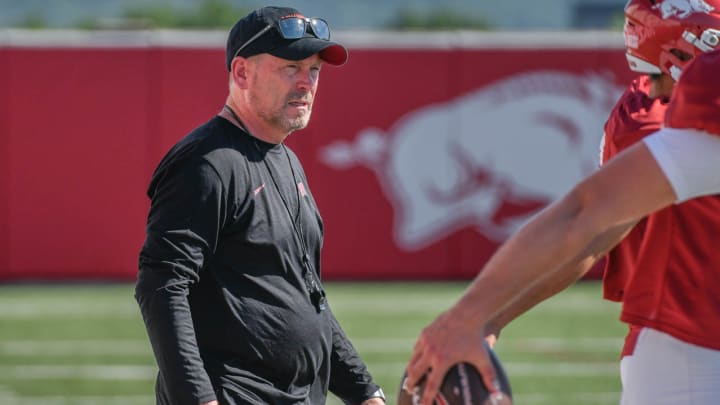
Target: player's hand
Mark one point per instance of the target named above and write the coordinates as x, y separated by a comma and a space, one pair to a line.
211, 403
373, 401
447, 341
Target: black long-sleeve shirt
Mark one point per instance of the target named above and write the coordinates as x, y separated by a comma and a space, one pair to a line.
222, 285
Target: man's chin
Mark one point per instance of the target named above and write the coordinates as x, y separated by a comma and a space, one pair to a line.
298, 123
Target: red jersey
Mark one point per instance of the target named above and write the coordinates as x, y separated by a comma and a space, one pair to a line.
696, 98
674, 284
635, 116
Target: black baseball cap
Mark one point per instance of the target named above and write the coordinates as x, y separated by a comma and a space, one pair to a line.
272, 41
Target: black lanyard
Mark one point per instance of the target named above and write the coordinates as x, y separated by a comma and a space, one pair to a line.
317, 294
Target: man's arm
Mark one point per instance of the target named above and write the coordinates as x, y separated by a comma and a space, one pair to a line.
554, 282
349, 377
182, 232
626, 189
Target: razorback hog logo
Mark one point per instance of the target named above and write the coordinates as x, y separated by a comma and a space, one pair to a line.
488, 159
682, 8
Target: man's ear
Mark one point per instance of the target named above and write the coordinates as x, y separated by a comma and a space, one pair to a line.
239, 72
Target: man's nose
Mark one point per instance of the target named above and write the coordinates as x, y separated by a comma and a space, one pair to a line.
307, 79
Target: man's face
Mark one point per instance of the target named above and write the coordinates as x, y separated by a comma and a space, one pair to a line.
282, 91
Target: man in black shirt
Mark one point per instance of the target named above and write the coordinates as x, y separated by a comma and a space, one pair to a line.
229, 281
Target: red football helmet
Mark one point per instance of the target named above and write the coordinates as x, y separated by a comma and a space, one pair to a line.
661, 36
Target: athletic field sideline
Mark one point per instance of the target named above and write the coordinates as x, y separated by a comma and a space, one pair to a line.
85, 344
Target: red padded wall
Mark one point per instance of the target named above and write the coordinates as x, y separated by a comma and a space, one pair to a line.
81, 130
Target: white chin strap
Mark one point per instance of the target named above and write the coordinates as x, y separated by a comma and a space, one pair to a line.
639, 65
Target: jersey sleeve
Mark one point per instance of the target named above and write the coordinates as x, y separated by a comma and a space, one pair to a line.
689, 158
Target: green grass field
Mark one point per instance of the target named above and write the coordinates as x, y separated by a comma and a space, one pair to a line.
86, 345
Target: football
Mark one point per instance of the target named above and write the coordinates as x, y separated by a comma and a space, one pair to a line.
462, 385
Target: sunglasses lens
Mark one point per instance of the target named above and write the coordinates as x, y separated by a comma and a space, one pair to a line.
292, 28
320, 28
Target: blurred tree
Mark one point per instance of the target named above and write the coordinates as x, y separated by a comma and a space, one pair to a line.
213, 14
207, 14
439, 19
34, 20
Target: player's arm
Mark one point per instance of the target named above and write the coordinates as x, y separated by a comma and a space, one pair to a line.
555, 281
624, 190
644, 178
543, 289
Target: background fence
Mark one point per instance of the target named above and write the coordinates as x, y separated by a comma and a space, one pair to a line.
425, 151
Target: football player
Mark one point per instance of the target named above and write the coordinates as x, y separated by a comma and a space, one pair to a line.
669, 288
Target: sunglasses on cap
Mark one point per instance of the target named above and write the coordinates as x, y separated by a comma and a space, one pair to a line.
293, 28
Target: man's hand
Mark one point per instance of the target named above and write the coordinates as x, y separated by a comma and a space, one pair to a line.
447, 341
373, 401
